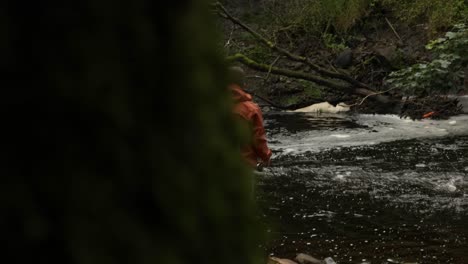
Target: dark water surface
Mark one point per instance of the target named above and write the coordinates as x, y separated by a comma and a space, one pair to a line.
404, 200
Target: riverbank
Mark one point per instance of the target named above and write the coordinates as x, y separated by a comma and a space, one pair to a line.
294, 68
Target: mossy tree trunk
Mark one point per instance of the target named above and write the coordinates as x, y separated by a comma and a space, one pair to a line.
118, 143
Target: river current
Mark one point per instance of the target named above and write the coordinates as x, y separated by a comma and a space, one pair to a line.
366, 188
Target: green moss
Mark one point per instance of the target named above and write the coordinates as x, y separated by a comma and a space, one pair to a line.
291, 100
311, 89
259, 53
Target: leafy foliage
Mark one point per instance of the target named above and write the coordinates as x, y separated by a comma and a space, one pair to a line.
455, 42
333, 43
443, 74
439, 14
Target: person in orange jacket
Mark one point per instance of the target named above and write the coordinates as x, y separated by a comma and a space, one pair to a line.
257, 153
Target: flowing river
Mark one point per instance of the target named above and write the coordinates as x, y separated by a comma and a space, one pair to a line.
366, 188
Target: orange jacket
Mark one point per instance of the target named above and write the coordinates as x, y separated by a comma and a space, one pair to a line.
249, 111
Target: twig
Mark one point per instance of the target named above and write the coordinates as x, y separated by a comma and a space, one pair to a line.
230, 38
326, 28
373, 94
255, 76
394, 31
271, 66
331, 65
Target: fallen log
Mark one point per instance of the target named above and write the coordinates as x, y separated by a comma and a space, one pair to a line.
328, 84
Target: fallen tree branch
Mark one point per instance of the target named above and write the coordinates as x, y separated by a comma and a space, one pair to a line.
369, 95
372, 94
225, 14
308, 77
289, 73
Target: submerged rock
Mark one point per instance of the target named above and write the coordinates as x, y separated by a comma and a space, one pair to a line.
306, 259
273, 260
344, 59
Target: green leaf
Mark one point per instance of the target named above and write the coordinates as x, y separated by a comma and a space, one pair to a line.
451, 35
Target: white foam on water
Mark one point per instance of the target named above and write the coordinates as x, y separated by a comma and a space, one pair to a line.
340, 136
380, 128
448, 186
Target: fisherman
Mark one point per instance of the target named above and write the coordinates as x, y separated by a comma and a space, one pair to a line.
256, 153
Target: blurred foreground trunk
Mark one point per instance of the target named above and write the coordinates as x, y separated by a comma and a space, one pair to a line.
118, 143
